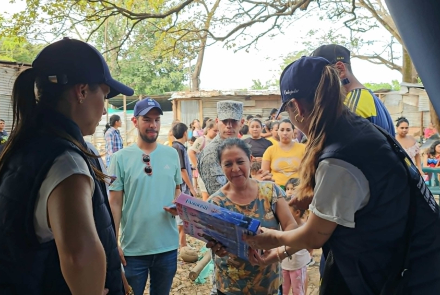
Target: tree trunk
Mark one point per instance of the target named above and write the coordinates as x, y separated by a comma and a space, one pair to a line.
195, 77
409, 73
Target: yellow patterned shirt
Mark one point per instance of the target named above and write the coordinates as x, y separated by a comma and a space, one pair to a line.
237, 276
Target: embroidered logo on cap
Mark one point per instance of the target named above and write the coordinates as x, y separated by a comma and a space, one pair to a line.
288, 92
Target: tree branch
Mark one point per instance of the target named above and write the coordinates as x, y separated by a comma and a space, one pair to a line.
374, 13
140, 16
377, 59
281, 11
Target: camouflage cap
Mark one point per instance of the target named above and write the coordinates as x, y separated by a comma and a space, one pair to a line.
229, 109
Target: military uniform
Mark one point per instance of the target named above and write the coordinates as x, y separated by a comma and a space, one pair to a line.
209, 167
208, 164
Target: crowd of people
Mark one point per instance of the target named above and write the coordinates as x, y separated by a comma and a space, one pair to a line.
324, 177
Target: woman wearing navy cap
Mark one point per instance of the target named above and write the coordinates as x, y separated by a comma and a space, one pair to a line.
380, 233
57, 232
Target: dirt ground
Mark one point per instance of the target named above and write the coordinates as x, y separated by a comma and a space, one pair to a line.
183, 285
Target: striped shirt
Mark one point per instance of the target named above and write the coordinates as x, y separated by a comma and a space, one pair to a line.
366, 104
113, 143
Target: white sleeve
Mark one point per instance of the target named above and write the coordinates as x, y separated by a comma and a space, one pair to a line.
65, 165
341, 190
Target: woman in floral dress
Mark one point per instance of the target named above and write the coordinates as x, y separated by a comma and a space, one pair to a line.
264, 201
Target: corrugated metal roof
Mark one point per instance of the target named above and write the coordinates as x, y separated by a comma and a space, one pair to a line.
412, 85
223, 93
14, 63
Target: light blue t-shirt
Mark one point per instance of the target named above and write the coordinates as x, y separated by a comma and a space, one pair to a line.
146, 228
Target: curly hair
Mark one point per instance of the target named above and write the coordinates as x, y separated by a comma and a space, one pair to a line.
431, 151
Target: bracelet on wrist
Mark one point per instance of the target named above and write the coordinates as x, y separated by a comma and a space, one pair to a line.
130, 291
287, 253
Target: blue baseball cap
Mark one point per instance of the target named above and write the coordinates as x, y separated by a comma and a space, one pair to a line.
145, 105
70, 62
300, 79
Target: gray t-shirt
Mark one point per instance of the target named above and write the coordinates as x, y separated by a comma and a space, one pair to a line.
341, 190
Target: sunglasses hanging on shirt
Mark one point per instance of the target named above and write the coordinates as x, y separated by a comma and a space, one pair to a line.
148, 169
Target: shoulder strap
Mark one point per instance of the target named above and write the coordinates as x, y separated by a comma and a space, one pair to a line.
397, 278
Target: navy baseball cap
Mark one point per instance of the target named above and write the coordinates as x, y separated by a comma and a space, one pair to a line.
145, 105
70, 62
333, 53
300, 79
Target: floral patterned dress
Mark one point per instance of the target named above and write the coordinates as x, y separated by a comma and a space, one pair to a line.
413, 151
237, 276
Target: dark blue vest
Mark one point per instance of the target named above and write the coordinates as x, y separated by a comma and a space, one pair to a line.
366, 254
26, 266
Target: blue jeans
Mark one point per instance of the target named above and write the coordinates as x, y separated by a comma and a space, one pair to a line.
162, 267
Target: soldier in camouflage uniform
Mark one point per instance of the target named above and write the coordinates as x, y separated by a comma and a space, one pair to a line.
229, 120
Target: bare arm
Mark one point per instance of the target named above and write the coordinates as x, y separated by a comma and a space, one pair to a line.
192, 157
188, 182
284, 216
115, 200
177, 192
81, 253
418, 163
425, 160
312, 235
265, 165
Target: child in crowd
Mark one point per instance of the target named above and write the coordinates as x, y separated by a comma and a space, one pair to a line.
255, 167
192, 140
295, 268
194, 170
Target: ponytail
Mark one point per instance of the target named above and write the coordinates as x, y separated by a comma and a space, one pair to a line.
327, 107
23, 97
107, 127
23, 107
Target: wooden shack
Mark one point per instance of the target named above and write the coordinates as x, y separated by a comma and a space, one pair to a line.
412, 102
188, 106
8, 73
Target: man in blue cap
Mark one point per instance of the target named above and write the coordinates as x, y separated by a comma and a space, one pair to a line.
147, 181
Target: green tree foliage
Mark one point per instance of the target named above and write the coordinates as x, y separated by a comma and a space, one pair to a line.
147, 61
175, 23
258, 85
138, 54
18, 50
395, 85
291, 57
